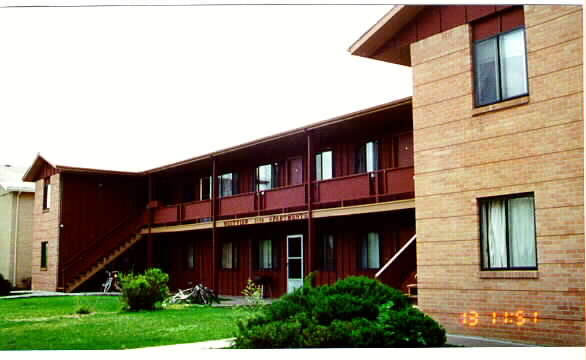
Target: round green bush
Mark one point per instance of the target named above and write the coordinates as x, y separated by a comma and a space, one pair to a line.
144, 291
353, 312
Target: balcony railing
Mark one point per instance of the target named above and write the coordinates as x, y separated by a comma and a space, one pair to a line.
283, 198
196, 211
237, 204
381, 185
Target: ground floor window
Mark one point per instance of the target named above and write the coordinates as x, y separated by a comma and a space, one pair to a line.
266, 255
370, 251
327, 252
507, 227
44, 254
229, 255
189, 256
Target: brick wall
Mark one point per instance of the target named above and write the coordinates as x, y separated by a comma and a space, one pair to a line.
46, 228
534, 146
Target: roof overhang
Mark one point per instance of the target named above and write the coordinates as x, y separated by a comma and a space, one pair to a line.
371, 44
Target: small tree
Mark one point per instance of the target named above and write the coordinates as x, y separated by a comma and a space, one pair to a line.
144, 291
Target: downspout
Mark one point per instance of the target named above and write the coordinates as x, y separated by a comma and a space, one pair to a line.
310, 225
214, 230
14, 256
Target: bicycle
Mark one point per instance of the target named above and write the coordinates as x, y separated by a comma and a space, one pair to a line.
112, 282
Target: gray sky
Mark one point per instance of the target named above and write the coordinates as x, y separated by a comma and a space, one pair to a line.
132, 88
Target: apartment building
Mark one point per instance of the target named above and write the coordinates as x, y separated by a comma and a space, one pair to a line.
472, 189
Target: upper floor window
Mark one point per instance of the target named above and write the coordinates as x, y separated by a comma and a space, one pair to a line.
266, 177
507, 227
228, 184
367, 157
205, 188
46, 193
500, 67
324, 165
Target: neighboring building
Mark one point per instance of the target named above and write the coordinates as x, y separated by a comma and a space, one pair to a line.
499, 152
16, 226
495, 171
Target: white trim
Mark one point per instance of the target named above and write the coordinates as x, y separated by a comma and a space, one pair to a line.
395, 256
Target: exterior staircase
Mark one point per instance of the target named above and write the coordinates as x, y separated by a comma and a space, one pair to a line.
100, 253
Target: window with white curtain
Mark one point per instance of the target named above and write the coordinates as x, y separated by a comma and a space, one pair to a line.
229, 255
370, 251
324, 165
500, 67
265, 254
508, 232
367, 157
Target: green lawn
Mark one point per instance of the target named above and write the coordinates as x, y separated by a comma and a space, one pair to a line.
51, 323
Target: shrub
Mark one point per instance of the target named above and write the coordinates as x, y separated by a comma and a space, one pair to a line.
5, 286
410, 328
354, 312
144, 291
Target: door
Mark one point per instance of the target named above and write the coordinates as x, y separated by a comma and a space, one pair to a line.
294, 262
295, 171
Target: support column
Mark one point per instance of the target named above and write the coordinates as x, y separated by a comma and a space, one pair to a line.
150, 216
214, 229
310, 224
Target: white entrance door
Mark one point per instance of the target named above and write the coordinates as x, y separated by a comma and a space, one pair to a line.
294, 262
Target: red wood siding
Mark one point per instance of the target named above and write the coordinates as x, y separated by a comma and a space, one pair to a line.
95, 205
436, 19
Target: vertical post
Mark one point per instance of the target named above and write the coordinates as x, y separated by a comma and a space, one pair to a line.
150, 215
310, 225
214, 230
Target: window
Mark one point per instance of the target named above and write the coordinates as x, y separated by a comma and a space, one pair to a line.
507, 227
44, 254
266, 255
327, 252
324, 165
367, 157
266, 177
370, 251
46, 193
228, 184
205, 188
189, 256
229, 255
501, 67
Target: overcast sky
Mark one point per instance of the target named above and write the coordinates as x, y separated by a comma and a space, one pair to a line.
132, 88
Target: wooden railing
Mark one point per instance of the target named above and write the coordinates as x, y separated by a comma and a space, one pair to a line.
374, 186
238, 204
283, 198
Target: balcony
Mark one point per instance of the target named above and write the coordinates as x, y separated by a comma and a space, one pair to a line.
378, 186
196, 211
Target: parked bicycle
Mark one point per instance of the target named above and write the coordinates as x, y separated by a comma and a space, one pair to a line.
199, 294
112, 282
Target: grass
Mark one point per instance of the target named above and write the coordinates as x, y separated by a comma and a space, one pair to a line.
54, 323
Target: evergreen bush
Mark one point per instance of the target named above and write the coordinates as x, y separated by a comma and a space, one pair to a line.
353, 312
144, 291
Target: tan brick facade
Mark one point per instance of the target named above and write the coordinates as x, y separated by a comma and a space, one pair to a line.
535, 145
46, 228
